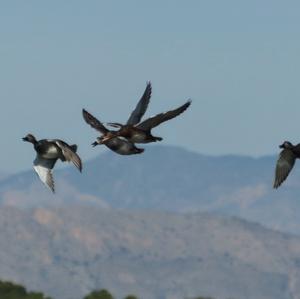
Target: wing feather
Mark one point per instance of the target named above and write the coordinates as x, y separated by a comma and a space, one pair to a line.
69, 154
43, 167
156, 120
141, 106
93, 122
285, 164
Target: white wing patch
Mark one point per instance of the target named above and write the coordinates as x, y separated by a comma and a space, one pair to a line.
43, 168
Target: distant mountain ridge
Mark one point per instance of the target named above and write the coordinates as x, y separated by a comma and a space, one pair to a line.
171, 179
68, 251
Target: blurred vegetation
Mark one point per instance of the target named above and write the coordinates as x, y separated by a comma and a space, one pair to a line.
9, 290
102, 294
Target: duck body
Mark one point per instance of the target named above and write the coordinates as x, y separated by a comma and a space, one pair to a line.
136, 135
139, 136
123, 147
118, 145
296, 150
141, 132
48, 151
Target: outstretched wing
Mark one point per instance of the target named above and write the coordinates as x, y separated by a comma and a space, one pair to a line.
69, 154
43, 168
93, 122
154, 121
284, 165
141, 106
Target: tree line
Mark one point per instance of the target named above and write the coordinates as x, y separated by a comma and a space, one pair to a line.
9, 290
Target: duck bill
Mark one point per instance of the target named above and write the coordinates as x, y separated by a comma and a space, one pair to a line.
25, 139
281, 146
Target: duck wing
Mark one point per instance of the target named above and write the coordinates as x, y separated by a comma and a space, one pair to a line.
284, 165
69, 153
43, 167
93, 122
141, 106
156, 120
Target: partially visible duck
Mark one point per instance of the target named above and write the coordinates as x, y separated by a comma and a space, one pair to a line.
141, 132
117, 144
285, 162
48, 152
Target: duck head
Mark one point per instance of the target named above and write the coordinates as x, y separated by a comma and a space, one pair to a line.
286, 145
29, 138
97, 142
104, 139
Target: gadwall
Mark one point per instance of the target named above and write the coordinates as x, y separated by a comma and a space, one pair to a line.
48, 152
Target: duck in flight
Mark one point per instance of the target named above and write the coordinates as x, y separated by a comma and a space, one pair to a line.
140, 132
118, 145
48, 152
285, 162
136, 115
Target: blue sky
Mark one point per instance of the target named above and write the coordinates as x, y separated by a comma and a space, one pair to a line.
238, 61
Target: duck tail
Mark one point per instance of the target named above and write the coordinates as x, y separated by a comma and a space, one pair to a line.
140, 150
158, 139
74, 147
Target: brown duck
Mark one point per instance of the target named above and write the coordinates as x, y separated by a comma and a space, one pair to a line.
141, 132
109, 138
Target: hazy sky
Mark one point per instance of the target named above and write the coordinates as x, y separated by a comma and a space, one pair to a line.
239, 61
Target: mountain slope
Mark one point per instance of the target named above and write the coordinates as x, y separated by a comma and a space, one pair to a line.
71, 251
171, 179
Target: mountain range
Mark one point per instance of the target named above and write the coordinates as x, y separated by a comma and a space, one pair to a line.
170, 179
66, 252
163, 225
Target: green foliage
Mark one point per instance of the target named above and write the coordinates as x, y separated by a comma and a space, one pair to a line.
9, 290
102, 294
34, 295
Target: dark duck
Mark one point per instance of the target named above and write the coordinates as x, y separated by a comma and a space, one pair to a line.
285, 162
48, 151
118, 145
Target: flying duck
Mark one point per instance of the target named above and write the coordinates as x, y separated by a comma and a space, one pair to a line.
48, 152
138, 112
141, 132
285, 162
119, 145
